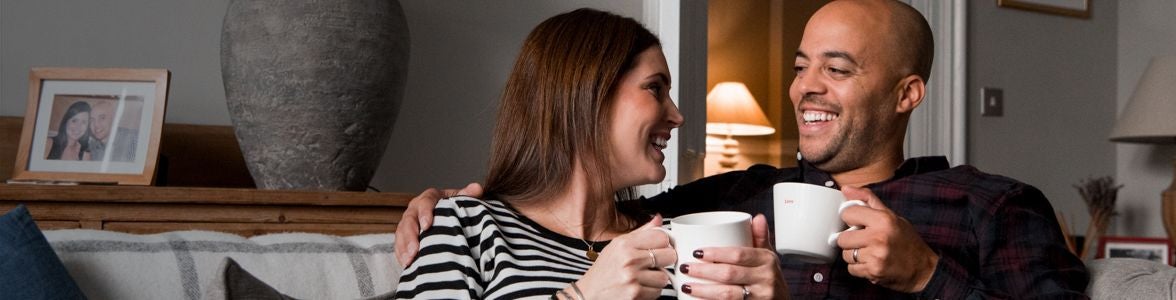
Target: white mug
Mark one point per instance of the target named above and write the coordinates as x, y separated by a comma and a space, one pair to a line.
808, 220
707, 229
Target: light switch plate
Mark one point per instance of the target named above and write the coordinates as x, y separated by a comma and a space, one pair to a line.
991, 102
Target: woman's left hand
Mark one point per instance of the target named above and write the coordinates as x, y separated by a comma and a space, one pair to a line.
631, 266
740, 272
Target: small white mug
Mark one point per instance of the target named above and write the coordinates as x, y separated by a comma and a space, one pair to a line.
707, 229
808, 220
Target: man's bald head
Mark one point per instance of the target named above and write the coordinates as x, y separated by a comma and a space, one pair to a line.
904, 34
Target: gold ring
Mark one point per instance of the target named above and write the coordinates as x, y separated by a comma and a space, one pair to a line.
654, 257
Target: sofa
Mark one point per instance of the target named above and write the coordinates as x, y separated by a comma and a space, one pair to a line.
204, 264
65, 264
191, 265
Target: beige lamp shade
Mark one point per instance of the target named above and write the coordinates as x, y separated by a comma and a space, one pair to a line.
731, 110
1150, 115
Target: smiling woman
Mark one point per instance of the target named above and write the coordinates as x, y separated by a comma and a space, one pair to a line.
585, 116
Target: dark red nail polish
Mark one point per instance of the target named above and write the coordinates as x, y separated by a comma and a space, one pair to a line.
684, 269
686, 288
697, 253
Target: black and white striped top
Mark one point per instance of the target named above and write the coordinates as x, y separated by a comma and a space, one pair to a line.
484, 249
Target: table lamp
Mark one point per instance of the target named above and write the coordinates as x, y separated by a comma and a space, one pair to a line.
1150, 118
730, 111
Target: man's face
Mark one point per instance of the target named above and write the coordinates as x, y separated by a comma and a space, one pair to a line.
844, 92
103, 119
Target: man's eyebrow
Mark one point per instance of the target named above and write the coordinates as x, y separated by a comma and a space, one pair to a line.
840, 54
830, 54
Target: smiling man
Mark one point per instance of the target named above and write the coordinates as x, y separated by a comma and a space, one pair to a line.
929, 230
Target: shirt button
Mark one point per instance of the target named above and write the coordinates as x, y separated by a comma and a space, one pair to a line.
829, 183
818, 277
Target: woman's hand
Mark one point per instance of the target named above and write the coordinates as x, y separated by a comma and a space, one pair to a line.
632, 266
739, 272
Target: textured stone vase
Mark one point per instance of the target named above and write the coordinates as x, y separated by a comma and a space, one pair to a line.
314, 87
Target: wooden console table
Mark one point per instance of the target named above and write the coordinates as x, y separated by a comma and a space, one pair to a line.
248, 212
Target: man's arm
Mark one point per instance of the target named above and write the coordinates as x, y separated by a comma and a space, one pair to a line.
418, 216
1022, 254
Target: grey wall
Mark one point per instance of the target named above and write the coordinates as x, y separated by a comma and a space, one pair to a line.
461, 53
1146, 29
1059, 82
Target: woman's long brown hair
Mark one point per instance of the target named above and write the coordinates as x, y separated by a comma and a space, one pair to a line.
556, 105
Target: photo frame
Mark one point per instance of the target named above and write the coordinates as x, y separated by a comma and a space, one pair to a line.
1153, 249
92, 126
1071, 8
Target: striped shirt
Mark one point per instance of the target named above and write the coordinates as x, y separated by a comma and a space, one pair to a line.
484, 249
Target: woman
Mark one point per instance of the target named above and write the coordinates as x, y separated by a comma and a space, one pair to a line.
73, 134
585, 115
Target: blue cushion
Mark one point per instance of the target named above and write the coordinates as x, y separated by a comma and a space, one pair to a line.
29, 269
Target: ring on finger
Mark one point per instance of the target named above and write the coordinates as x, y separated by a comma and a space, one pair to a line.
746, 293
653, 265
855, 255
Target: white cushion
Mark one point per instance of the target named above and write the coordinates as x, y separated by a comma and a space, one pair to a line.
186, 264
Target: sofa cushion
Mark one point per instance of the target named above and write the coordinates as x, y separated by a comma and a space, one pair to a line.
184, 264
238, 283
28, 267
1130, 278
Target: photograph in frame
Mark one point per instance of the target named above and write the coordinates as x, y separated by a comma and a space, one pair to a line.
98, 126
1153, 249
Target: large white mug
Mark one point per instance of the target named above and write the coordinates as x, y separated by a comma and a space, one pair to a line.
707, 229
808, 220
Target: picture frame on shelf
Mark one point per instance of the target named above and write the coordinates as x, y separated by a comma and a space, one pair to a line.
92, 126
1153, 249
1071, 8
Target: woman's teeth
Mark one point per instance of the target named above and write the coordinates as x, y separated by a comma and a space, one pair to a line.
659, 143
818, 116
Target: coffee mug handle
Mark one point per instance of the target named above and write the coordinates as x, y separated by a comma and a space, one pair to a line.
833, 237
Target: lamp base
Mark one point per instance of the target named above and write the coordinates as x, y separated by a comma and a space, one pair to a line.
730, 149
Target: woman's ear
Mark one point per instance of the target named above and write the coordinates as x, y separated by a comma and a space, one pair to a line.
911, 91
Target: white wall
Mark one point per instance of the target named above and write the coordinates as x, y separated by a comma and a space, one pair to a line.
460, 56
1058, 77
1146, 29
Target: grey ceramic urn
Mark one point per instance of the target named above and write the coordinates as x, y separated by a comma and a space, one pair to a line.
314, 87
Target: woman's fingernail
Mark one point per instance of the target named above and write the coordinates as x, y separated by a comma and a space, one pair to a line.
684, 268
686, 288
697, 253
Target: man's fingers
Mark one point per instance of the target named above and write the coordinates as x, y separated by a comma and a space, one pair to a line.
472, 190
865, 195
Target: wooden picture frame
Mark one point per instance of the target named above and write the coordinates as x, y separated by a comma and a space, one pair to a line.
92, 126
1071, 8
1153, 249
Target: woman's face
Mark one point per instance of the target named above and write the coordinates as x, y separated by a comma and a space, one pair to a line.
77, 125
642, 116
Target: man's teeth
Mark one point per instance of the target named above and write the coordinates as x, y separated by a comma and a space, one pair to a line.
659, 143
817, 116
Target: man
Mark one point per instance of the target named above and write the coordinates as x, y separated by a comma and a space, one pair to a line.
119, 146
928, 231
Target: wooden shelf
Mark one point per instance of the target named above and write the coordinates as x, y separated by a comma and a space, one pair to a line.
151, 209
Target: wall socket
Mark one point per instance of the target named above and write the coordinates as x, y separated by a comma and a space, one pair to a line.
991, 102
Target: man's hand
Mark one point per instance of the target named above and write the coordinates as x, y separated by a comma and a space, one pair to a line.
890, 252
735, 270
418, 216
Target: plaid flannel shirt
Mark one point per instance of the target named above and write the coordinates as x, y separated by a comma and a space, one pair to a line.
996, 237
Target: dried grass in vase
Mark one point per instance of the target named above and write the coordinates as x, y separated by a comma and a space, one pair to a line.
1100, 195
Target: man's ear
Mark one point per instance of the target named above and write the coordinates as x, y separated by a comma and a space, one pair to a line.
911, 91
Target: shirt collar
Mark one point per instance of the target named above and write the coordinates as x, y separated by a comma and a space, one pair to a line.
912, 166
